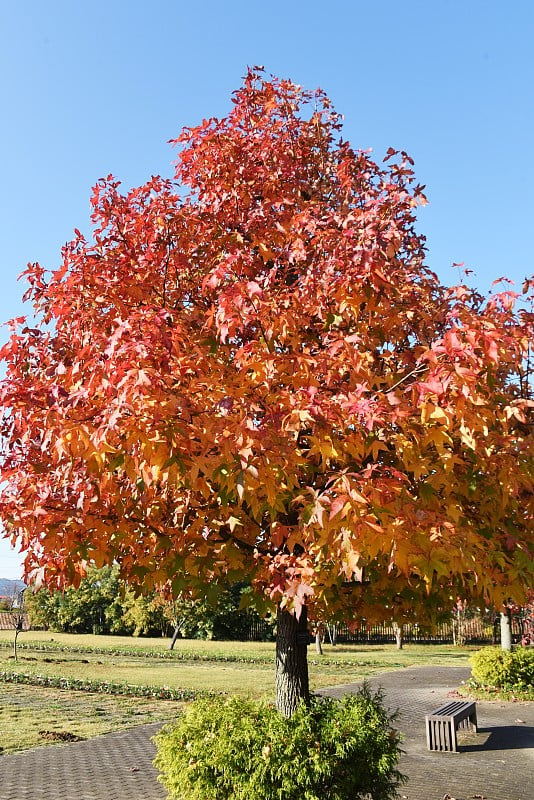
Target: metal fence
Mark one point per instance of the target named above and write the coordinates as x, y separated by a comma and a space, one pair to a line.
474, 631
477, 630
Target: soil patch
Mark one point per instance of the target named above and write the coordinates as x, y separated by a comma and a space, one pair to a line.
60, 736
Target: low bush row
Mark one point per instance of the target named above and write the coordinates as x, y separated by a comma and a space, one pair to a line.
103, 687
175, 655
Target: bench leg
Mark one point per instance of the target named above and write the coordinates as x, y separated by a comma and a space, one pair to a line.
469, 723
429, 739
454, 746
473, 720
441, 735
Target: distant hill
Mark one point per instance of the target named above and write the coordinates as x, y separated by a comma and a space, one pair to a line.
8, 588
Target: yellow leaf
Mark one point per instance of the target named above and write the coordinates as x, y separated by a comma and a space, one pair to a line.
265, 252
426, 411
233, 522
439, 415
467, 437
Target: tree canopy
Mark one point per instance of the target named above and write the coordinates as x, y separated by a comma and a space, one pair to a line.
248, 370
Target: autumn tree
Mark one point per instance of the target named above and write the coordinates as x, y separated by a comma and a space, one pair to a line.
249, 372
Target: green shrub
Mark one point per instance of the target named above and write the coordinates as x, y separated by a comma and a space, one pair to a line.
238, 749
502, 669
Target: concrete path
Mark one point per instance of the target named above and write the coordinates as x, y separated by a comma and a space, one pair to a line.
497, 763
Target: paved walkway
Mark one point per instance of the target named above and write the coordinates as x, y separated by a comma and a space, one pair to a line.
497, 763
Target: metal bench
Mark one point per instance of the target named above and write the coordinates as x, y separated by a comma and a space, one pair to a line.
442, 724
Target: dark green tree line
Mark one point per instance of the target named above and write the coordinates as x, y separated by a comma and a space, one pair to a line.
105, 604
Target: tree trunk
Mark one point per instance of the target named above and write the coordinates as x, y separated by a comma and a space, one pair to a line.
397, 630
174, 637
318, 644
506, 630
15, 652
292, 683
332, 634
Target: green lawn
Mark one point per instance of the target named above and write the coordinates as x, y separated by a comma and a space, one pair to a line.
197, 648
232, 667
31, 715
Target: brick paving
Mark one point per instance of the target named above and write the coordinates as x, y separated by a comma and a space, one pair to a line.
497, 763
117, 766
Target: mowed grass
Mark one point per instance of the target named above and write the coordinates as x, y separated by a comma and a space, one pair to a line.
229, 667
32, 716
384, 656
199, 676
226, 667
143, 644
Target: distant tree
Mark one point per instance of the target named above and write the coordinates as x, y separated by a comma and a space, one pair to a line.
524, 614
144, 614
251, 374
224, 614
17, 616
399, 634
192, 618
506, 628
96, 605
43, 608
527, 620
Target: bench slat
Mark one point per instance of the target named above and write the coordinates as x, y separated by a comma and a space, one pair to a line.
452, 708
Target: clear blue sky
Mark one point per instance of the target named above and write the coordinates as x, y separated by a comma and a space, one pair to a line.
93, 88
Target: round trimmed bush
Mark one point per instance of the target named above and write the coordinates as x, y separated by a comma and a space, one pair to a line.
238, 749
